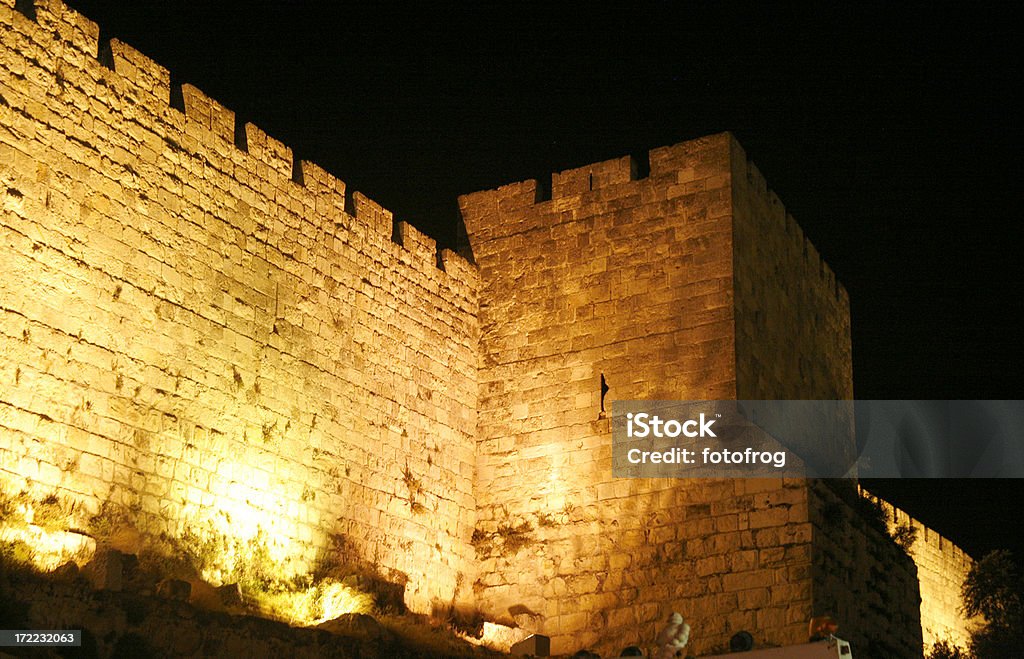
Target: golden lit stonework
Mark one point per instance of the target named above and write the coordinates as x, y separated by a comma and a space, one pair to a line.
216, 357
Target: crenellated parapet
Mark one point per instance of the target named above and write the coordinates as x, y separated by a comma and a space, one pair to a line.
942, 568
193, 123
663, 174
205, 333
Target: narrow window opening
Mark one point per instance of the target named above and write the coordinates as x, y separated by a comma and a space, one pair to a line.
297, 169
241, 136
639, 166
604, 392
590, 181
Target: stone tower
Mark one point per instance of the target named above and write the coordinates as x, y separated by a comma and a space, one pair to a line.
688, 283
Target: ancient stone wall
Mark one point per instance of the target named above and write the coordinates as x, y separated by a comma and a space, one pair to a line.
793, 343
561, 300
942, 568
202, 335
630, 279
792, 314
861, 577
206, 334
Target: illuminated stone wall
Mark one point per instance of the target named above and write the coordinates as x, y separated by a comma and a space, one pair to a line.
208, 335
200, 333
942, 568
690, 282
861, 577
632, 278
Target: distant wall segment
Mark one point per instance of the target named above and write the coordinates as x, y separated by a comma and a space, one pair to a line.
942, 568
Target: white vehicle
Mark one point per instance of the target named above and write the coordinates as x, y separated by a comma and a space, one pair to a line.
830, 648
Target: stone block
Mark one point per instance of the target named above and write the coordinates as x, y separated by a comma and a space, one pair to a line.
536, 645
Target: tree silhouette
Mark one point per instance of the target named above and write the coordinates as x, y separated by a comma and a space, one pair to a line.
946, 650
993, 590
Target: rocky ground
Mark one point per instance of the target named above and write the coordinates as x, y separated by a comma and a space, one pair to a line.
122, 623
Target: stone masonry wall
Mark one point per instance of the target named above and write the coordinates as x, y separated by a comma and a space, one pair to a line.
633, 280
792, 315
942, 568
200, 332
862, 578
203, 332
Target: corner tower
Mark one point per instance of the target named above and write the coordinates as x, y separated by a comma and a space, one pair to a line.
688, 283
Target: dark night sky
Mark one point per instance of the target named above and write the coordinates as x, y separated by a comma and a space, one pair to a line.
891, 138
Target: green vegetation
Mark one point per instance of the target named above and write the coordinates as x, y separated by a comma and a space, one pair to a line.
873, 513
905, 535
946, 650
994, 590
52, 512
109, 520
515, 537
16, 556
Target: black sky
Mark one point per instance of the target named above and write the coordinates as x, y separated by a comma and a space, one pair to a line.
892, 138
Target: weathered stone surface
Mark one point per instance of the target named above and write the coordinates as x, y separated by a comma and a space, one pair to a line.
860, 575
536, 645
201, 334
635, 281
942, 568
230, 594
50, 548
193, 332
